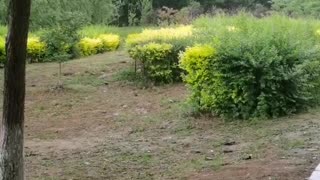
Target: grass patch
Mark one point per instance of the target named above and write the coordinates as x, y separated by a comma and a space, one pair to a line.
95, 30
129, 76
84, 82
288, 144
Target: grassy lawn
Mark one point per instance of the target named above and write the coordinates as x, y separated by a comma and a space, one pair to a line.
98, 127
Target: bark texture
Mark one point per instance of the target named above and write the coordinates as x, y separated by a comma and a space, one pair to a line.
12, 123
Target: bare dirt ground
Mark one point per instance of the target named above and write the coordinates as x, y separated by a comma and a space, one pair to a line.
98, 127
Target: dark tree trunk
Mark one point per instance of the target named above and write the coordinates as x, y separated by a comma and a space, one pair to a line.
12, 123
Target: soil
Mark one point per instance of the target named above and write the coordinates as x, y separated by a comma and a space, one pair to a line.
100, 127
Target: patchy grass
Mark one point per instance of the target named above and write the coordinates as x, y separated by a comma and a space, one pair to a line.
99, 127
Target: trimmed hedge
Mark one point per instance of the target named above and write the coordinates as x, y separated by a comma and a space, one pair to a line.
36, 50
266, 67
90, 46
103, 43
157, 62
110, 42
156, 52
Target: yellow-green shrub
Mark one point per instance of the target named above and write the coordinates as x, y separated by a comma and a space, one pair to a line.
2, 51
90, 46
163, 34
196, 63
157, 62
36, 49
110, 42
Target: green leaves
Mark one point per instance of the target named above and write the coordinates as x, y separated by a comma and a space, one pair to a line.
267, 68
2, 51
157, 62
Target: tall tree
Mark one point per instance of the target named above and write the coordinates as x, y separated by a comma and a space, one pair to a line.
12, 123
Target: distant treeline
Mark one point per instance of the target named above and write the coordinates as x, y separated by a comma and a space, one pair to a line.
49, 13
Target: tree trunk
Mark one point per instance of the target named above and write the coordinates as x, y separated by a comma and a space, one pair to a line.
12, 123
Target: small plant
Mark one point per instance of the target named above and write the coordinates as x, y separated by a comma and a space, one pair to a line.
61, 45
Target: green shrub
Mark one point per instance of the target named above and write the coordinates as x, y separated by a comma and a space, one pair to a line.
61, 43
36, 49
2, 51
195, 61
110, 42
255, 67
157, 62
157, 52
90, 46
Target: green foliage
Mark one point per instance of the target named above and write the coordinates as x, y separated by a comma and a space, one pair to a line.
157, 62
90, 46
2, 51
189, 13
3, 31
298, 8
103, 43
177, 4
61, 43
46, 13
36, 49
262, 67
110, 42
3, 11
159, 35
146, 12
157, 52
195, 61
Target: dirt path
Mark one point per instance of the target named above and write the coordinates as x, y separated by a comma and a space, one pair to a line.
99, 128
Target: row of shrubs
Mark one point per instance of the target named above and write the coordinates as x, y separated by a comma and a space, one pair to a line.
240, 67
37, 49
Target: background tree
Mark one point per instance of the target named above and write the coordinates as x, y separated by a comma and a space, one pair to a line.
12, 123
298, 8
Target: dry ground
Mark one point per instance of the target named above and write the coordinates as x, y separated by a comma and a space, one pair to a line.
101, 128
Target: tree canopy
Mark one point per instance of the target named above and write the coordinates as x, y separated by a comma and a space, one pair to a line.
47, 13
